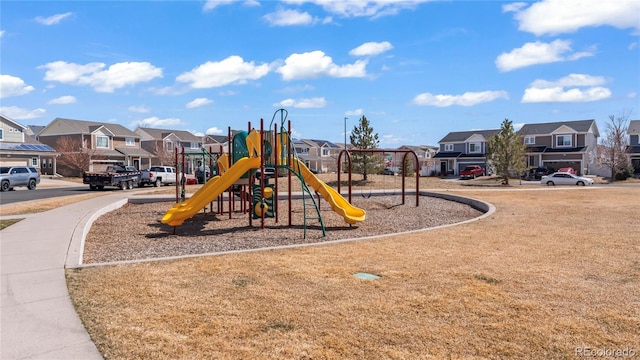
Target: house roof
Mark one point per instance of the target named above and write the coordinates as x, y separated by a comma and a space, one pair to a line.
447, 155
34, 129
634, 127
29, 145
131, 151
581, 126
16, 124
217, 138
160, 134
461, 136
565, 150
60, 126
323, 142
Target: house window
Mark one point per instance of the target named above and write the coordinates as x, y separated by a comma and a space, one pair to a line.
34, 161
530, 140
102, 142
448, 147
168, 146
325, 152
475, 147
302, 150
130, 142
195, 145
563, 140
1, 134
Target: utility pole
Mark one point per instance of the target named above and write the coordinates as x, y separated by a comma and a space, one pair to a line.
345, 132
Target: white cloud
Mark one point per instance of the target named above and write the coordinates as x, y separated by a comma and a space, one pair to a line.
67, 99
212, 4
283, 17
366, 8
553, 17
1, 33
139, 109
538, 53
17, 113
313, 64
198, 102
556, 91
214, 131
13, 86
156, 122
632, 95
371, 48
513, 7
53, 20
116, 76
317, 102
232, 70
466, 99
356, 112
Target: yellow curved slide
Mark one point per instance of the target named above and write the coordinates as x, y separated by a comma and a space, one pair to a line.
339, 204
208, 192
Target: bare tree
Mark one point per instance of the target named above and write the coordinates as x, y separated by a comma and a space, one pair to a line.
614, 145
165, 156
72, 155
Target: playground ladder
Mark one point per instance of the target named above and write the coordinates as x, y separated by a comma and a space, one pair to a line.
309, 200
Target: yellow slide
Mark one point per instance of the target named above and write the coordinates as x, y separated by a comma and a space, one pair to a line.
339, 204
208, 192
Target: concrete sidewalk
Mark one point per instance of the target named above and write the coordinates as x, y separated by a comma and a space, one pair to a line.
37, 319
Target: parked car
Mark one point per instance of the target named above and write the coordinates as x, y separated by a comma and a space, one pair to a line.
472, 172
388, 171
269, 172
568, 170
12, 176
537, 173
562, 178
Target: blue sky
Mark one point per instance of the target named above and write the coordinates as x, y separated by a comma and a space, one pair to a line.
416, 69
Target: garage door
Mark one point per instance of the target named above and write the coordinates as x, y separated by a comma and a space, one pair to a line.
13, 163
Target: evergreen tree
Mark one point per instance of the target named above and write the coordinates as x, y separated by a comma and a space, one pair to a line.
363, 137
506, 152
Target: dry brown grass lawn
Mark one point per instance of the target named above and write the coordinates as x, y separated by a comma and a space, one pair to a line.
549, 272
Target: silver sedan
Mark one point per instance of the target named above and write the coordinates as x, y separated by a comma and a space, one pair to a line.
560, 178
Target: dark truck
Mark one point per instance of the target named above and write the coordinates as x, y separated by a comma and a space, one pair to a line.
122, 177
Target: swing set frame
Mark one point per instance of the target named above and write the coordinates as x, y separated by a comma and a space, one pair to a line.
406, 153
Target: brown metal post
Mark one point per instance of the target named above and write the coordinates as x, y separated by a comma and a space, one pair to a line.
289, 160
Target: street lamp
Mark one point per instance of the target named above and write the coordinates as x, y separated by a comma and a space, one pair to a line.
345, 133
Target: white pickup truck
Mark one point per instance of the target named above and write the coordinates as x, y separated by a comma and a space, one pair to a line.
158, 175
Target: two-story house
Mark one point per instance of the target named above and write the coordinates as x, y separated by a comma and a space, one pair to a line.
105, 143
562, 144
460, 149
318, 155
18, 147
164, 144
634, 145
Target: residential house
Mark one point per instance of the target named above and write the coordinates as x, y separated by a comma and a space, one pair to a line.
164, 144
459, 149
318, 155
106, 143
634, 145
427, 165
562, 144
17, 147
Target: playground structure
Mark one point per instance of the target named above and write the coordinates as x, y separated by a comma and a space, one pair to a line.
248, 152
